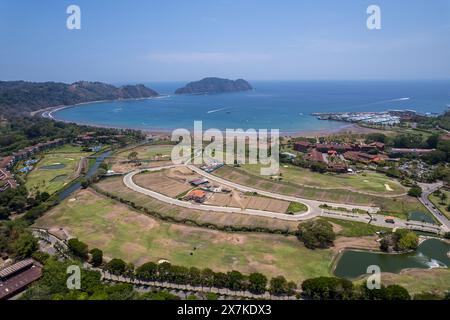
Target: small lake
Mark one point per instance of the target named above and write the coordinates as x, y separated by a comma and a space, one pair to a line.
431, 253
420, 216
53, 167
77, 185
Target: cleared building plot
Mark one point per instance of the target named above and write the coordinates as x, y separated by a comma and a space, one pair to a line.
170, 182
122, 166
115, 186
238, 200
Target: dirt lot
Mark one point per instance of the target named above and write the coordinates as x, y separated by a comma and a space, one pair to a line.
238, 200
170, 182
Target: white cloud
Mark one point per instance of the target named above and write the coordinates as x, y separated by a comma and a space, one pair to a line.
208, 57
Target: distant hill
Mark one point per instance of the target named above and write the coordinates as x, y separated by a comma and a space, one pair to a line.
214, 85
23, 97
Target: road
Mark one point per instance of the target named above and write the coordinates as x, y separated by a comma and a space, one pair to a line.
428, 189
313, 206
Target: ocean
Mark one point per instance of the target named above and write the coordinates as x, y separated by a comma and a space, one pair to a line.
283, 105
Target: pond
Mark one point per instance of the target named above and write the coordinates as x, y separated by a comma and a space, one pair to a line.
421, 216
55, 166
431, 253
77, 185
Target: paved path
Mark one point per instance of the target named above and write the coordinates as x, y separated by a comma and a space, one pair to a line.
128, 181
428, 189
313, 206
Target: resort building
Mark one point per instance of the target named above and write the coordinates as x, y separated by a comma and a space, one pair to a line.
302, 146
17, 277
196, 195
198, 182
315, 155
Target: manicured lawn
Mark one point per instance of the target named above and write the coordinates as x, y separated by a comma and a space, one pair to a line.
296, 207
442, 206
138, 238
355, 229
368, 181
51, 180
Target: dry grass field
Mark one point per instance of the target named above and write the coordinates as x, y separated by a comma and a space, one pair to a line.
127, 234
114, 185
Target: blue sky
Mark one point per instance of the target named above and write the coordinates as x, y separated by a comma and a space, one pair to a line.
166, 40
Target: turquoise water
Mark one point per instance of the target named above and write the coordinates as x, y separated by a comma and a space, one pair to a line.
431, 253
284, 105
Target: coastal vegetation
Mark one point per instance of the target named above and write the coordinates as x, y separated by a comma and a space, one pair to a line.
214, 85
20, 97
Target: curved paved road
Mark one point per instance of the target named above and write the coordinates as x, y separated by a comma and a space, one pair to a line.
313, 205
128, 181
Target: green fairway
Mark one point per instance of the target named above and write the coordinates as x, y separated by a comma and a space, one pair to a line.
137, 238
149, 152
371, 182
399, 206
52, 180
355, 229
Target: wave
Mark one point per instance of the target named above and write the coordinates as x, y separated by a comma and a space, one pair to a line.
393, 100
217, 110
399, 99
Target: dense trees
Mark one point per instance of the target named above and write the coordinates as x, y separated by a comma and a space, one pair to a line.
19, 132
116, 266
280, 286
78, 248
16, 240
391, 292
328, 288
52, 286
415, 191
376, 137
400, 240
96, 257
316, 234
408, 140
319, 167
257, 283
20, 97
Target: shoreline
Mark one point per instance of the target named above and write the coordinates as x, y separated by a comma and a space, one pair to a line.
48, 113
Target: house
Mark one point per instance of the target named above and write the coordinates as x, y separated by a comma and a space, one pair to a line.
339, 148
302, 146
362, 157
7, 162
196, 195
315, 156
378, 145
367, 147
198, 182
17, 277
